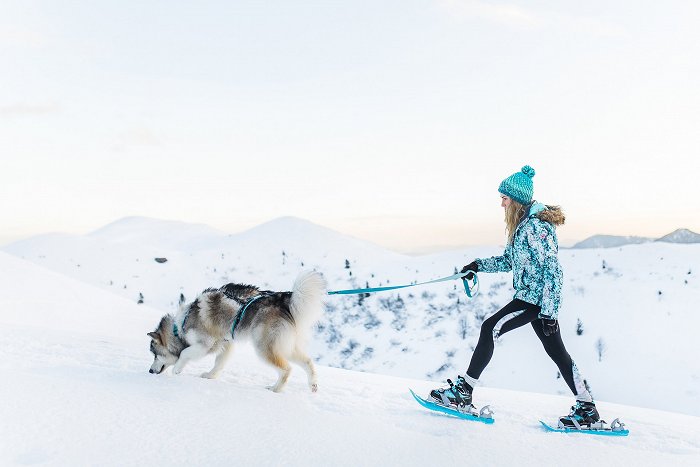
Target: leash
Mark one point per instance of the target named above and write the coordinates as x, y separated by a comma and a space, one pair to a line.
471, 286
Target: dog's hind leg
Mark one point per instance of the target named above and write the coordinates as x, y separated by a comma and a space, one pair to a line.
221, 359
299, 357
193, 352
282, 366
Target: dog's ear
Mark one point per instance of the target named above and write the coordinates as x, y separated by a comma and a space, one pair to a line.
155, 336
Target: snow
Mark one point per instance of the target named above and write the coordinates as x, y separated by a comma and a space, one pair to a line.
76, 391
636, 300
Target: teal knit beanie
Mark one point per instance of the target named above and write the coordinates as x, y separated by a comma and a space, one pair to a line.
519, 185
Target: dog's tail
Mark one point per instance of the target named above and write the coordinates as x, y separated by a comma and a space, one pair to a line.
307, 299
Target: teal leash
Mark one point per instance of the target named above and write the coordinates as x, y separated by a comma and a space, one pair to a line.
471, 286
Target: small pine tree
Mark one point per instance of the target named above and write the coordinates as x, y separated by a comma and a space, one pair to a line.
600, 347
140, 298
463, 327
347, 264
579, 327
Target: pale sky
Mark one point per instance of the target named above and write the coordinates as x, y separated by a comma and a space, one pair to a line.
391, 121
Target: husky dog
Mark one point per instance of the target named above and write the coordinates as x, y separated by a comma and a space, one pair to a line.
279, 324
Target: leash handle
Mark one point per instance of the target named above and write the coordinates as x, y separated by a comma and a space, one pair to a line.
471, 286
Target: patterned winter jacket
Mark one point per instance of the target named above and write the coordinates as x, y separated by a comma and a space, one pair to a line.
532, 256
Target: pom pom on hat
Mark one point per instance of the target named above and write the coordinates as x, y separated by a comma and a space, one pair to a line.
519, 185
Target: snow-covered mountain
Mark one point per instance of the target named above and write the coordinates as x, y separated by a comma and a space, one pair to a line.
626, 318
610, 241
76, 391
614, 241
681, 236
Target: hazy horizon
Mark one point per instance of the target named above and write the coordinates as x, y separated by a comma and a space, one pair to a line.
418, 249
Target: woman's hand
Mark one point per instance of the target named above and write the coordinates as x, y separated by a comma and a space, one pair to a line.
470, 267
550, 326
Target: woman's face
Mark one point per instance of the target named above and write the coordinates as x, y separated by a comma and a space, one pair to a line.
505, 201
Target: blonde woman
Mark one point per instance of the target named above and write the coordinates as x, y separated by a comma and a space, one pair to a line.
531, 254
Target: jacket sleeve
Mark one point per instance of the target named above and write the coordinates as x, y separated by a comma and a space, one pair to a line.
542, 278
496, 263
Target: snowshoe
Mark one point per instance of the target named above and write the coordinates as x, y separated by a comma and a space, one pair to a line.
467, 412
616, 428
584, 418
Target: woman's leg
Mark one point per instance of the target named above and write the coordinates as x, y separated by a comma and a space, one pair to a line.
517, 313
512, 316
554, 346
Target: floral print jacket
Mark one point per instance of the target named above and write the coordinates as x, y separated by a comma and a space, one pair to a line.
532, 256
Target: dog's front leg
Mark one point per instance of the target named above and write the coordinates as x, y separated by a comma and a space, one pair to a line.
193, 352
220, 361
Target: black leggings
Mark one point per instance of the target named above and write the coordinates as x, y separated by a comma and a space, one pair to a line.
528, 313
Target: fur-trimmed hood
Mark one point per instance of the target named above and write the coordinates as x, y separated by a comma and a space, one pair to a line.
552, 214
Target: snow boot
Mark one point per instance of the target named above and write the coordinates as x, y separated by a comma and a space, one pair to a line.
583, 414
456, 395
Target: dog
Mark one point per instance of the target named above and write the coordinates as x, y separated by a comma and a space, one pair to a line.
279, 324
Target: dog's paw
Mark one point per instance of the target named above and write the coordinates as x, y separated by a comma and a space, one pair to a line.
177, 370
209, 375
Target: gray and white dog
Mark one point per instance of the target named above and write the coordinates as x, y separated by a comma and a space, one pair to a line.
279, 324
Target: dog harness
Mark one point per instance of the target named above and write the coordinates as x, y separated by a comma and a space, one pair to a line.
183, 324
239, 316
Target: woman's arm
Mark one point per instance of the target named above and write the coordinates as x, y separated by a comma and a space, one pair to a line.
496, 263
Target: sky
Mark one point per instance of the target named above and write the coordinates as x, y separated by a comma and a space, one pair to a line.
391, 121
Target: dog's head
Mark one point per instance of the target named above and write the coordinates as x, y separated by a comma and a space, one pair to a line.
163, 356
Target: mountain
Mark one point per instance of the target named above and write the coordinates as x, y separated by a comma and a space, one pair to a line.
612, 241
632, 303
680, 236
156, 233
77, 391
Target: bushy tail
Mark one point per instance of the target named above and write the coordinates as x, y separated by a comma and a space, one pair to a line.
308, 294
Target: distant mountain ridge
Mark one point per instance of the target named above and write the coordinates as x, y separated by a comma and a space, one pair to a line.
612, 241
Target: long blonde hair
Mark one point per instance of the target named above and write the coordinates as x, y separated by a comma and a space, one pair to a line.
515, 212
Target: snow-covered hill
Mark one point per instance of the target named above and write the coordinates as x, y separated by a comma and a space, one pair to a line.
681, 236
614, 241
627, 319
611, 241
76, 391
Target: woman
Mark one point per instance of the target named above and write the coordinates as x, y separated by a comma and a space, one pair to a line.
531, 253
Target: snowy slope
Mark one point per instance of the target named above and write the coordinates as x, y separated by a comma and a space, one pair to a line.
76, 391
632, 303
